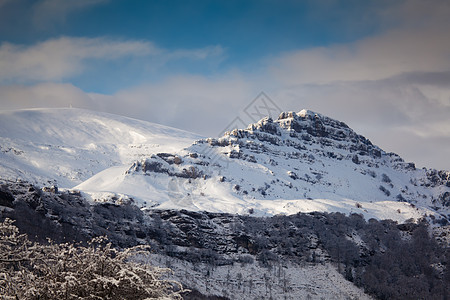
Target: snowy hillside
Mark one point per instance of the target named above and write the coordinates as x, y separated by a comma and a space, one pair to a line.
68, 146
300, 162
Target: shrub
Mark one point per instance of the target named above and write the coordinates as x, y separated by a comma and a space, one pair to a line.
385, 178
385, 190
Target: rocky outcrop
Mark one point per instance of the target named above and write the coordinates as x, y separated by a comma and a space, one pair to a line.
298, 130
166, 164
436, 178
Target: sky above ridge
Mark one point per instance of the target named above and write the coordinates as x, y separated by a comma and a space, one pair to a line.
382, 67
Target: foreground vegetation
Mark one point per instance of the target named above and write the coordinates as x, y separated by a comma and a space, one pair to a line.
30, 270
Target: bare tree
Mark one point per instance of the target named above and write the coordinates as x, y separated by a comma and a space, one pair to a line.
66, 271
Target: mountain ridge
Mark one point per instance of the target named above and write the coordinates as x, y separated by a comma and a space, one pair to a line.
279, 166
300, 162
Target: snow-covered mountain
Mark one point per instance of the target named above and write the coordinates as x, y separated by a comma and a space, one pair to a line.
67, 146
301, 162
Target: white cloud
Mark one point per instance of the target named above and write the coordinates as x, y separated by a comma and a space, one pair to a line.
198, 54
60, 58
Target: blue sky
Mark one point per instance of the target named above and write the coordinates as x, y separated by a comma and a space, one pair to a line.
383, 67
244, 32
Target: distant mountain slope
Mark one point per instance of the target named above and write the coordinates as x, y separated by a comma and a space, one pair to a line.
67, 146
300, 162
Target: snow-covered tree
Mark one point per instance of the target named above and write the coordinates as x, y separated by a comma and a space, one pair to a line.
66, 271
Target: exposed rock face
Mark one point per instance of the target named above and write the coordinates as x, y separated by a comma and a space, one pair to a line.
300, 130
6, 199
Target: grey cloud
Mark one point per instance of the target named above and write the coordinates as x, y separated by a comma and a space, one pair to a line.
416, 40
398, 113
415, 14
372, 58
394, 87
43, 95
438, 79
194, 103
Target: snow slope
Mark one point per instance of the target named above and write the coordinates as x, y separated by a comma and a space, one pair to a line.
301, 162
68, 146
